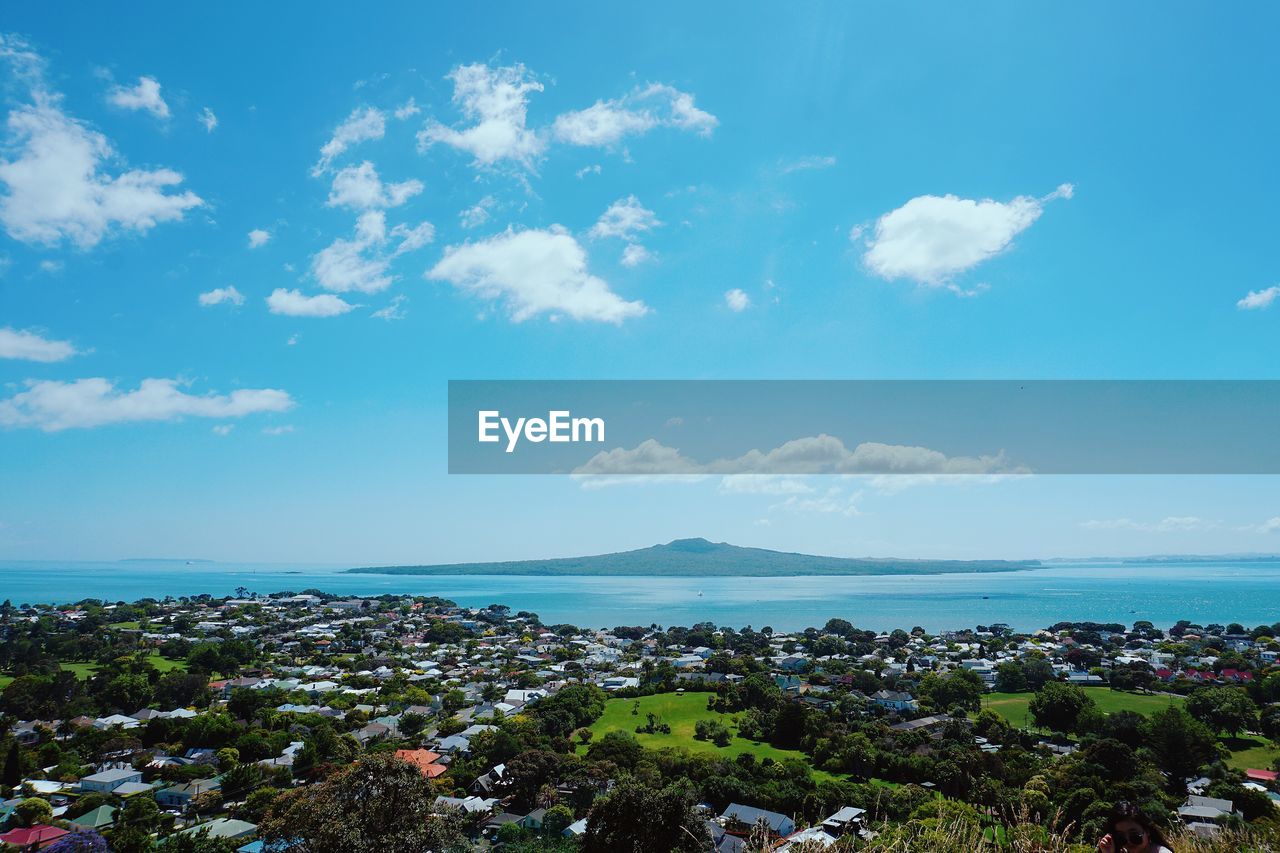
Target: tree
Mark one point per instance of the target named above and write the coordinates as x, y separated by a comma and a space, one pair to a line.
635, 818
1058, 706
1181, 744
556, 820
379, 804
1223, 709
79, 842
12, 776
1010, 678
617, 746
32, 811
134, 825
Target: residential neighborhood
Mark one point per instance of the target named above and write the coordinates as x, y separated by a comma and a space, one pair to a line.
217, 722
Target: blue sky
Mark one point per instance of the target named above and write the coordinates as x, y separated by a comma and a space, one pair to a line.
835, 192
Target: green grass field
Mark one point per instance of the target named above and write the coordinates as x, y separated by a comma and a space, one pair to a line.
83, 671
681, 711
1251, 752
1013, 706
86, 670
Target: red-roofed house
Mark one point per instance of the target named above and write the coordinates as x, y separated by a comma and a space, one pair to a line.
35, 837
1262, 775
424, 759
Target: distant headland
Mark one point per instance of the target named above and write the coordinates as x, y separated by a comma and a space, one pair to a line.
701, 558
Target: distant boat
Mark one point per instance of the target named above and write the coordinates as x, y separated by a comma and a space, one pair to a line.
985, 597
190, 562
699, 593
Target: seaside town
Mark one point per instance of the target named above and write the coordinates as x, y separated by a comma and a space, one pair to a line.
308, 722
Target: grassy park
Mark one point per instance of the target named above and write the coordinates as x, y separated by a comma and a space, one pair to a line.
681, 711
1013, 706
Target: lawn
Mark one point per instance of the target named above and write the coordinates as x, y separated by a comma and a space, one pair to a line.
87, 669
1013, 706
1251, 752
164, 664
83, 670
681, 711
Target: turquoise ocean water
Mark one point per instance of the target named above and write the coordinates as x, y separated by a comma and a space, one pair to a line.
1100, 591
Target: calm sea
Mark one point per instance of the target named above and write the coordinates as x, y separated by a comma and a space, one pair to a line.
1104, 592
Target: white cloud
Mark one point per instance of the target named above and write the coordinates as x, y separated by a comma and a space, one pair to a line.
1256, 300
496, 100
208, 119
1271, 525
478, 213
50, 266
360, 126
344, 266
931, 238
53, 406
29, 346
278, 430
535, 272
407, 110
412, 238
763, 484
258, 238
593, 169
223, 429
821, 454
634, 255
294, 303
222, 294
606, 123
1171, 524
805, 164
393, 311
737, 300
625, 218
360, 188
144, 96
834, 500
363, 263
54, 185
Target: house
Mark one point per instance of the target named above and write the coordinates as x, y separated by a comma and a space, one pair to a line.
224, 827
723, 842
116, 720
844, 821
739, 819
468, 805
1205, 809
934, 723
806, 838
35, 837
575, 829
489, 781
96, 820
178, 796
1263, 776
895, 700
424, 759
109, 780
